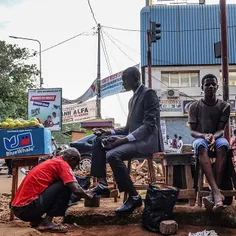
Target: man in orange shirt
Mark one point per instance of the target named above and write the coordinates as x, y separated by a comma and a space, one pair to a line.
47, 189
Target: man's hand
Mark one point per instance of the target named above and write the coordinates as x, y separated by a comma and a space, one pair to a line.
101, 132
89, 194
116, 141
211, 145
208, 137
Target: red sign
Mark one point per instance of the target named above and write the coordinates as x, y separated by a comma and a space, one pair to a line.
43, 98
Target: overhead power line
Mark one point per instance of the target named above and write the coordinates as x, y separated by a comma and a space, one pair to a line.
65, 41
110, 68
167, 31
182, 94
92, 12
85, 33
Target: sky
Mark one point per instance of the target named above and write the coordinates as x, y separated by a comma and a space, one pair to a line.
73, 65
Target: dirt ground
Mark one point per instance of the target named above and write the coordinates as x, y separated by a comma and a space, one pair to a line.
19, 228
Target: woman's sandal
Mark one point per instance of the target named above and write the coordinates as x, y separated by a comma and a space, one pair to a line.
219, 206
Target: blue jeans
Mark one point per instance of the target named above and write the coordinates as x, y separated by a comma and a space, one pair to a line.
200, 142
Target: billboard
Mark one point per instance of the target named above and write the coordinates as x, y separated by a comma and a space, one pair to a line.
75, 113
109, 86
171, 105
46, 105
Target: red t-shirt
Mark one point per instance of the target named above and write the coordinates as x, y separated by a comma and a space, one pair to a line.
40, 177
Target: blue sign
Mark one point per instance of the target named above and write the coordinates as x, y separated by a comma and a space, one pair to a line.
25, 141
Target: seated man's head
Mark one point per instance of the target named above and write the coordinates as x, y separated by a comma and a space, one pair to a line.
72, 157
131, 78
54, 114
210, 84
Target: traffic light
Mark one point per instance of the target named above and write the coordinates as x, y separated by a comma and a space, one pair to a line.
155, 32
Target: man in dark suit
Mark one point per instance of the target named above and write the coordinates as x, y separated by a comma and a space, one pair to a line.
140, 137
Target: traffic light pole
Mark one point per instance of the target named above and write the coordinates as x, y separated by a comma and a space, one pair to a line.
149, 57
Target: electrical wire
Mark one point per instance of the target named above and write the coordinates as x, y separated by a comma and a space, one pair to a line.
65, 41
181, 93
167, 31
92, 12
110, 69
136, 50
53, 46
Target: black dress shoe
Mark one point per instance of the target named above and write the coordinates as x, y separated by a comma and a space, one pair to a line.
130, 205
102, 190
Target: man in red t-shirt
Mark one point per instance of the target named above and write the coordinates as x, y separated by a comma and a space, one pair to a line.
47, 189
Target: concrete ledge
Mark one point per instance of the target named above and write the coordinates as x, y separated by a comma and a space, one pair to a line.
183, 214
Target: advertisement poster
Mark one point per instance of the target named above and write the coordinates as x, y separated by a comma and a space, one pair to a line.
46, 104
75, 113
109, 86
170, 105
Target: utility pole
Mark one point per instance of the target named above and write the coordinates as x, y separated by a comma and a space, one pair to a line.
98, 101
224, 53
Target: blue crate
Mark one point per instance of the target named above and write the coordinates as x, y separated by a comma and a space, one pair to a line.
25, 141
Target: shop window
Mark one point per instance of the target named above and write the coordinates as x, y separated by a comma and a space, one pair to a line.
232, 78
180, 79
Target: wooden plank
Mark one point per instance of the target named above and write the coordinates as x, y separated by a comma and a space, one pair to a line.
170, 174
151, 171
200, 186
187, 194
226, 193
179, 160
189, 183
189, 178
24, 162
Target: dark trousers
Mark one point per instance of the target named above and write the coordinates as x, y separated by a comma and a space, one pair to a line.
9, 166
53, 201
115, 157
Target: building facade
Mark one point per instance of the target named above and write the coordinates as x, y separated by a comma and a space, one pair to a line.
183, 56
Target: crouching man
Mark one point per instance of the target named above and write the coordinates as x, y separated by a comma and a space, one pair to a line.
47, 189
207, 119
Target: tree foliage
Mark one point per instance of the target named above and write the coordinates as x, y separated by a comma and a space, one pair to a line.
16, 78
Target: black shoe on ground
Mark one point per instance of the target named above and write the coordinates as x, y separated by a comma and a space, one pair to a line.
130, 205
102, 190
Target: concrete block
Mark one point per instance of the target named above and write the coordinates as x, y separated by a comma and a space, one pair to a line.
168, 227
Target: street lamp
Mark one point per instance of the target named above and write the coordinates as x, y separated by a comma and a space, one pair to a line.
40, 52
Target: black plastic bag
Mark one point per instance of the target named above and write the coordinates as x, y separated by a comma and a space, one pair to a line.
159, 203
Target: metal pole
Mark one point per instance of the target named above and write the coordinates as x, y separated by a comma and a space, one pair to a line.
149, 57
98, 101
224, 52
40, 65
40, 56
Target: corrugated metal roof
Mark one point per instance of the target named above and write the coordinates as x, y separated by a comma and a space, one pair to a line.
188, 34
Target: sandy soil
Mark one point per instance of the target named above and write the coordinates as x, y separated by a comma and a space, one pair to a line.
19, 228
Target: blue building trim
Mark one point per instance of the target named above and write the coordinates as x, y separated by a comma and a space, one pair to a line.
188, 34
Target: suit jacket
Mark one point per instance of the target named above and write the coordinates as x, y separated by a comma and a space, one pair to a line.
144, 122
